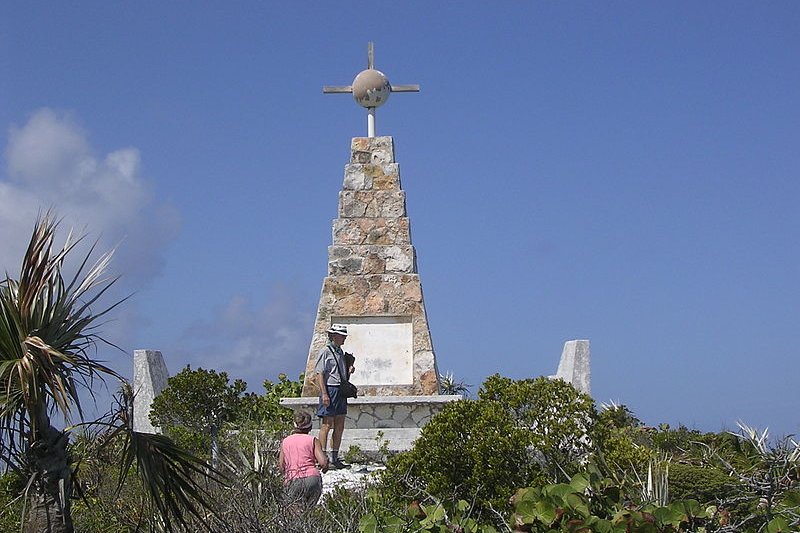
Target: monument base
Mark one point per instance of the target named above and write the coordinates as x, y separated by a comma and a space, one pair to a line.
375, 422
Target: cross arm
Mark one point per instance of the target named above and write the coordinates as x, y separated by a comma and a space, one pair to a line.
337, 89
405, 88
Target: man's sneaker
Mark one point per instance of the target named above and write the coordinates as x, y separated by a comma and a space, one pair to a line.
338, 465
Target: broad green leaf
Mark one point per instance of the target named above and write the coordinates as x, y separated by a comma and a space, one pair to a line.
368, 524
778, 525
527, 512
621, 516
583, 510
393, 524
529, 494
573, 501
669, 515
559, 490
692, 507
435, 515
602, 526
546, 512
791, 498
470, 525
439, 513
579, 482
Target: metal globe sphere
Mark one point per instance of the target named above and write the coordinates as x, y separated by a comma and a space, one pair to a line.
371, 88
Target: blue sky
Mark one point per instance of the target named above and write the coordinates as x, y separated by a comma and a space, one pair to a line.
625, 172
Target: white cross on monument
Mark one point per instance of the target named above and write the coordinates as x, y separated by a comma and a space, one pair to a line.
371, 89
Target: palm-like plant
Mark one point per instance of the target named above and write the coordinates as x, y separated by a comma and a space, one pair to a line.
48, 342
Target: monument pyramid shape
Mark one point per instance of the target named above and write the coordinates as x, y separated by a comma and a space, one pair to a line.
373, 285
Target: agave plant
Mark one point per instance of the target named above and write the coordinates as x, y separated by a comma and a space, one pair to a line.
48, 342
450, 386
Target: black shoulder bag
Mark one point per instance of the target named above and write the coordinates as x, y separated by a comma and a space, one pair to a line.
347, 389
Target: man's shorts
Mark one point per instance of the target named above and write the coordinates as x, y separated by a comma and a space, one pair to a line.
338, 405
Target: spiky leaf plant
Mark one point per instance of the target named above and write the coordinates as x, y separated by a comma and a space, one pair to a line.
48, 342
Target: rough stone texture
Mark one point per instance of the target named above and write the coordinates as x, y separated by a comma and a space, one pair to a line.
366, 230
575, 365
355, 204
369, 412
359, 259
150, 377
376, 150
372, 270
361, 177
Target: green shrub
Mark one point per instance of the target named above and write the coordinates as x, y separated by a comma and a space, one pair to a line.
590, 502
559, 420
11, 487
681, 441
701, 483
194, 406
623, 454
471, 450
419, 517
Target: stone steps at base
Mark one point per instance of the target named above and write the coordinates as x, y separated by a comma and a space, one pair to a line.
372, 440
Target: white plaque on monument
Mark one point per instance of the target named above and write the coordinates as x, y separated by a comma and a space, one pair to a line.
383, 347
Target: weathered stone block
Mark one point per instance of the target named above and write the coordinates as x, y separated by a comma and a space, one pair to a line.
385, 231
372, 204
351, 206
372, 150
402, 415
429, 382
423, 361
362, 177
399, 258
370, 259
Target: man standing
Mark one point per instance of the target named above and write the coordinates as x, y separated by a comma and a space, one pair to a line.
333, 369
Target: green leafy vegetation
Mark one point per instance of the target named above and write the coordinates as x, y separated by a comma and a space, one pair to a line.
195, 406
483, 449
558, 421
48, 341
525, 455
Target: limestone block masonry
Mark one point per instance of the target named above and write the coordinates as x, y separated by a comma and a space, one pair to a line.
373, 284
380, 412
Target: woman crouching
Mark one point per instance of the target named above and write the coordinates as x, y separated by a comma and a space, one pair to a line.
298, 459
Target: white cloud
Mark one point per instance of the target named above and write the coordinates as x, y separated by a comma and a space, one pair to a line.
51, 164
248, 341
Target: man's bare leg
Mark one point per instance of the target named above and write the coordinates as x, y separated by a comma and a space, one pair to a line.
336, 440
338, 430
325, 426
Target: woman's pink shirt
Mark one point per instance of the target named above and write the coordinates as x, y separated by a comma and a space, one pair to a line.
298, 456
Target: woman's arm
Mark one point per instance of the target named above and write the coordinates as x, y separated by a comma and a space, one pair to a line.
322, 458
280, 461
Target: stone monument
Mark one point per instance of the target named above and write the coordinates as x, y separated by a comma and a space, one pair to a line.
150, 377
575, 365
374, 288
